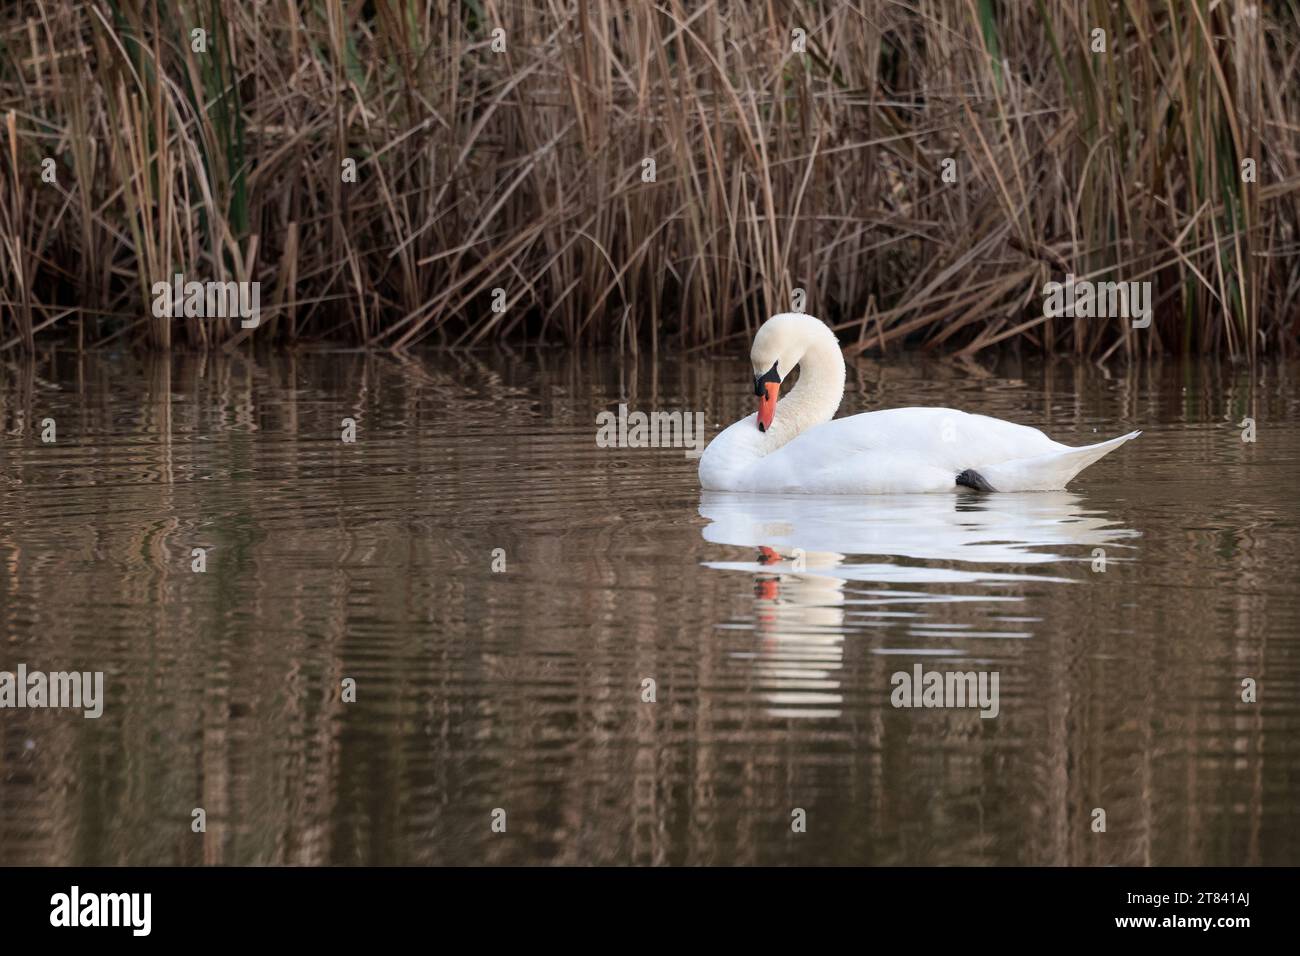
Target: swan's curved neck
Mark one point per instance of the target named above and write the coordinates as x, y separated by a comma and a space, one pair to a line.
816, 397
814, 400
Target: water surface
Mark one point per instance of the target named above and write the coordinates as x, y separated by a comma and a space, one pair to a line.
770, 625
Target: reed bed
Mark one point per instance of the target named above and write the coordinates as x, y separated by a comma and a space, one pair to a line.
502, 190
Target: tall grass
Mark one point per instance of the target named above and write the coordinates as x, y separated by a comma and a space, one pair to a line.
522, 170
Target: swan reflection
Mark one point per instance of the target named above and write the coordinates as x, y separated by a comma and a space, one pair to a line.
933, 570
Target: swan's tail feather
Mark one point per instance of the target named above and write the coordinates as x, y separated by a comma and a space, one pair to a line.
1048, 472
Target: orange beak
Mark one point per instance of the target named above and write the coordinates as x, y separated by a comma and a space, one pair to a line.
767, 404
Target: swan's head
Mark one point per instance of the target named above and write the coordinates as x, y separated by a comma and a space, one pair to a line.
778, 347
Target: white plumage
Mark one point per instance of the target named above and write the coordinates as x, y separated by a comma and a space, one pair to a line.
897, 450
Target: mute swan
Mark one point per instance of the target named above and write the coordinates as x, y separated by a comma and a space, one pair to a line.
801, 450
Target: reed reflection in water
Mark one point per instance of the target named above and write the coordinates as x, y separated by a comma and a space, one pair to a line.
522, 689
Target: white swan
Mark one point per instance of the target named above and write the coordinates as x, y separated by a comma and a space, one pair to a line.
801, 450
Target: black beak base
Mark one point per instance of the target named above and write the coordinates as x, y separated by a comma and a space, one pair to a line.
760, 386
770, 375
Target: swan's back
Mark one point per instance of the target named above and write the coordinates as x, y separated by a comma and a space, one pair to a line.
945, 437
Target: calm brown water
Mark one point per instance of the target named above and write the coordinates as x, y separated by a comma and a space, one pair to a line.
522, 689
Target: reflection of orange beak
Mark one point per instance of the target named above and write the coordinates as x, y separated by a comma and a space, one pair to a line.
767, 404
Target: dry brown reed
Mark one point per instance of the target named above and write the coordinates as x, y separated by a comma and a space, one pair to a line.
523, 169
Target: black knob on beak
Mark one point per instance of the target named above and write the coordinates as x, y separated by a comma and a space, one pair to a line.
770, 375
